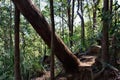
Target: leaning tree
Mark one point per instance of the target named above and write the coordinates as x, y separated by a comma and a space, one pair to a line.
34, 16
70, 62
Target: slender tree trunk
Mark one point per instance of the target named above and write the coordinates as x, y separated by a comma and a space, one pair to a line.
37, 20
62, 22
89, 14
17, 51
94, 15
10, 29
96, 2
80, 5
69, 23
39, 4
115, 13
82, 25
52, 39
112, 58
72, 23
111, 4
105, 52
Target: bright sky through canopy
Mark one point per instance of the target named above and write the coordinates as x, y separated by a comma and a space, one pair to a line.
119, 1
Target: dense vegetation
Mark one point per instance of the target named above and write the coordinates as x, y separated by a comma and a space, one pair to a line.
69, 23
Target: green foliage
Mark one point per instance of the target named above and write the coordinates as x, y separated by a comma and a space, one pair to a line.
32, 47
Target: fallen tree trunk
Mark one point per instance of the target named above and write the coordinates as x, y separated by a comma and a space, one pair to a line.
37, 20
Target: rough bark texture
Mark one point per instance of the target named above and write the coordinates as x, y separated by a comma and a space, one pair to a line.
17, 51
37, 20
105, 41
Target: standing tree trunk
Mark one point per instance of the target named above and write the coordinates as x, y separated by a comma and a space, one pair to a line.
52, 39
72, 24
37, 20
80, 5
111, 4
69, 22
10, 30
112, 58
95, 2
82, 26
17, 51
105, 52
62, 20
89, 12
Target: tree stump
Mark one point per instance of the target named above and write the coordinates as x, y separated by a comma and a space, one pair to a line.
85, 70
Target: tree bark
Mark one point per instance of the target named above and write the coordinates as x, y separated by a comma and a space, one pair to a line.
17, 50
94, 15
69, 22
82, 25
72, 23
52, 39
111, 9
96, 2
80, 5
10, 30
37, 20
105, 52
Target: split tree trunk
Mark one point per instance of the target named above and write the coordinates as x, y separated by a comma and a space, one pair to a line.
37, 20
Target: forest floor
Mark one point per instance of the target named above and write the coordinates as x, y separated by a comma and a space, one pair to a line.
110, 72
46, 76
